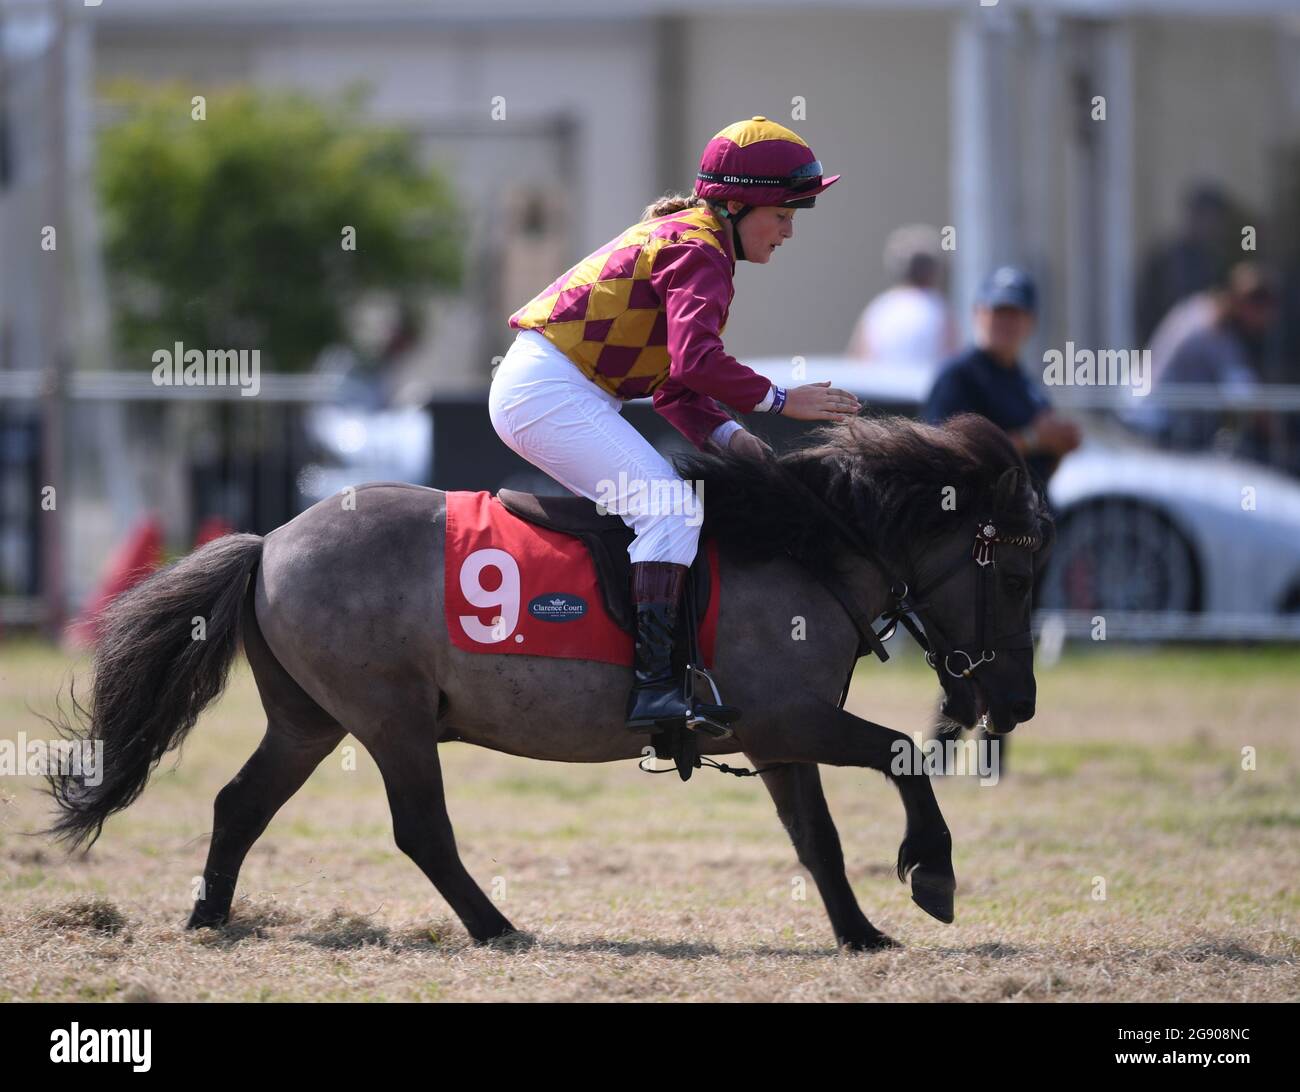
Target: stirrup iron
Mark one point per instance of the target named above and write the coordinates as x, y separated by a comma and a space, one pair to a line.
714, 718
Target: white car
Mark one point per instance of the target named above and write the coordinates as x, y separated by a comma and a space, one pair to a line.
366, 445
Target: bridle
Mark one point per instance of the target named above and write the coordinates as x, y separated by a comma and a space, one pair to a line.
908, 607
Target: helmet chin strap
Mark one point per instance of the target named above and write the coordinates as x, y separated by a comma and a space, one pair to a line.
735, 218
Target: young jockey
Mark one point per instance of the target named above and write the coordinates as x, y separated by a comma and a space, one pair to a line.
643, 316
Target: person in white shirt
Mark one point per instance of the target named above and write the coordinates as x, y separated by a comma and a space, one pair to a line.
910, 323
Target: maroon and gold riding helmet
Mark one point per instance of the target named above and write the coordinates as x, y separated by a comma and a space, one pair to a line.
760, 162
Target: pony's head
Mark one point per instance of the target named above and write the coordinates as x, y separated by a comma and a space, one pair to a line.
953, 516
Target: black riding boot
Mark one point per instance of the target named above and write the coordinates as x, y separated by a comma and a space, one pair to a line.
656, 700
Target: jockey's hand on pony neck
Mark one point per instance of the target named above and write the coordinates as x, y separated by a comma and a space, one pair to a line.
746, 443
820, 402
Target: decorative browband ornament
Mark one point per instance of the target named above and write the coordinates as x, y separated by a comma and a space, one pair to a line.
987, 534
984, 539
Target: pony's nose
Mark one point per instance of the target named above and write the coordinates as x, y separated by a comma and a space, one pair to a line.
1022, 711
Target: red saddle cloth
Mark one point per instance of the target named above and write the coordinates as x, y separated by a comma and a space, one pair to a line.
511, 586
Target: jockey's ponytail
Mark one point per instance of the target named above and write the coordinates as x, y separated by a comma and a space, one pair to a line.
670, 203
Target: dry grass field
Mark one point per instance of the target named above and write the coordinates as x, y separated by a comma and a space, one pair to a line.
642, 888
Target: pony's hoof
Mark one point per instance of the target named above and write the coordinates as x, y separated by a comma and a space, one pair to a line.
933, 892
875, 941
513, 941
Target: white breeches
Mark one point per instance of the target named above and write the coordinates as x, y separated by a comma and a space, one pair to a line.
546, 410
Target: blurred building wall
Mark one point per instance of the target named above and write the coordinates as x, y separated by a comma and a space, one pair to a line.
876, 93
950, 114
1198, 117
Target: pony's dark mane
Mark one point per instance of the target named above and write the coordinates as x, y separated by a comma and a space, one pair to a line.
884, 476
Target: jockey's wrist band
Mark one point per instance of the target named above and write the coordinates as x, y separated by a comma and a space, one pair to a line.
778, 399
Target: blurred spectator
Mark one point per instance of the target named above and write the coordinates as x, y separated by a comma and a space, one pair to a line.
987, 378
1288, 370
1228, 353
909, 323
1192, 262
1193, 315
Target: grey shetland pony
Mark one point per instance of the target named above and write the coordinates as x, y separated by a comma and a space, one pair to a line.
341, 616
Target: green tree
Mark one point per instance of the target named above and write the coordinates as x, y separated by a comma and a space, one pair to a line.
228, 232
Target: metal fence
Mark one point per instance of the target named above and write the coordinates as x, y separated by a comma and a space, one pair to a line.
1157, 540
132, 450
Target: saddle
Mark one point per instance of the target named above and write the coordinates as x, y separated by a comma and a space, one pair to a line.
607, 538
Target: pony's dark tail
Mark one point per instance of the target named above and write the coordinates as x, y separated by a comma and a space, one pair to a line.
164, 652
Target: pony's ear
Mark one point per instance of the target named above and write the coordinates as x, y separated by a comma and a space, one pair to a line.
1008, 489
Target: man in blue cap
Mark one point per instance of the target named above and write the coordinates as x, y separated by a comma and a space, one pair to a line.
987, 378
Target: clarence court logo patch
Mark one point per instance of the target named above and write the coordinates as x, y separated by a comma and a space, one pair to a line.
557, 607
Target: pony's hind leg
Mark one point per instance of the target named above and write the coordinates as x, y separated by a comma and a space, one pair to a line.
299, 734
277, 769
407, 756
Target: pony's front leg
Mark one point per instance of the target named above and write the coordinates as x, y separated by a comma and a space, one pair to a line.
820, 732
796, 790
